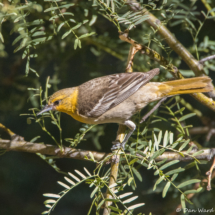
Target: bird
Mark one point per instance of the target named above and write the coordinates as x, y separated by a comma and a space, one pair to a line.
116, 98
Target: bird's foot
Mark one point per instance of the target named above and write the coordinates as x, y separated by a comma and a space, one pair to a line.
117, 145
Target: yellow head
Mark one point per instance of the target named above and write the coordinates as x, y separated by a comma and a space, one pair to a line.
64, 100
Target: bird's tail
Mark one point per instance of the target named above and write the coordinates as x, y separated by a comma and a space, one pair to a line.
189, 85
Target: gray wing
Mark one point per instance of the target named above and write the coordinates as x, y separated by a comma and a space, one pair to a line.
114, 90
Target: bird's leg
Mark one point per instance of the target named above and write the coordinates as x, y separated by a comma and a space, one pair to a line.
153, 109
117, 143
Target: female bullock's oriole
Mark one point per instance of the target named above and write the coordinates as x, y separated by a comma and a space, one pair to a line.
116, 98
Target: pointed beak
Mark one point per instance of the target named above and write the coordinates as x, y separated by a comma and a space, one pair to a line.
45, 109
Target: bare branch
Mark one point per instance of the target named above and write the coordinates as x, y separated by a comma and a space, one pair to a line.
207, 59
209, 174
47, 149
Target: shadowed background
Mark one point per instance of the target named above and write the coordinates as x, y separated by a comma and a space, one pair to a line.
25, 177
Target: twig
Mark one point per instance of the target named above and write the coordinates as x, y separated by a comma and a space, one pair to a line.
133, 50
208, 7
189, 106
151, 53
209, 174
12, 134
207, 59
152, 110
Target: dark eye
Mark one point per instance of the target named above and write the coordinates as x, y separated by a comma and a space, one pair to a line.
56, 103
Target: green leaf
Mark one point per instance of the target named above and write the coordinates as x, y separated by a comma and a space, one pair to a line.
76, 43
171, 138
197, 153
159, 136
142, 19
27, 67
115, 209
156, 143
174, 176
175, 171
86, 35
19, 38
63, 185
188, 182
130, 180
67, 33
130, 200
184, 145
70, 181
166, 189
190, 149
79, 43
165, 139
51, 195
41, 39
67, 5
133, 161
100, 204
88, 173
194, 191
1, 37
68, 13
62, 6
158, 181
135, 206
52, 201
183, 203
81, 174
77, 26
94, 191
38, 33
125, 195
186, 116
165, 166
180, 111
156, 154
93, 20
137, 174
91, 156
73, 176
111, 200
60, 26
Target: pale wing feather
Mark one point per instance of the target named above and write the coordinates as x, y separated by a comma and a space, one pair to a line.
119, 89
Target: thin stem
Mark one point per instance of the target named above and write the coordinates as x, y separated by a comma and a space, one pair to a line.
206, 59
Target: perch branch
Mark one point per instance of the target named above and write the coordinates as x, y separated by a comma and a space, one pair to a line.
47, 149
114, 169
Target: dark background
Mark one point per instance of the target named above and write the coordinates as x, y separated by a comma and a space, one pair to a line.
25, 177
